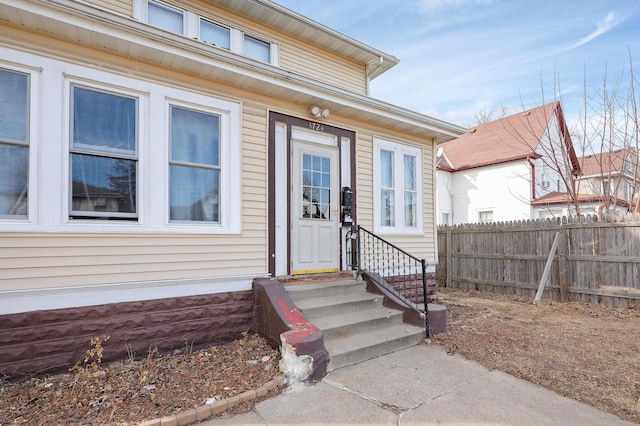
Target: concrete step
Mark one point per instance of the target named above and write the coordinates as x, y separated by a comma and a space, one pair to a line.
342, 325
304, 291
370, 344
333, 305
356, 326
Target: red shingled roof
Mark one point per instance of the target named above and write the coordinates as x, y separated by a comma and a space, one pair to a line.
511, 138
604, 163
559, 198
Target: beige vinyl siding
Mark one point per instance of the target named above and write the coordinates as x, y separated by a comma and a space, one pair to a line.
254, 163
30, 261
296, 55
311, 62
124, 7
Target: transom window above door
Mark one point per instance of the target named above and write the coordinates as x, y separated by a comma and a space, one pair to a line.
316, 187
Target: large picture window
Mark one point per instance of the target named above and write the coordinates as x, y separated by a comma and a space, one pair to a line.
397, 187
103, 152
194, 172
14, 143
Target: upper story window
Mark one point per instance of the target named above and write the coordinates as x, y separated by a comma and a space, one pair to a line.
606, 190
14, 143
257, 49
215, 34
398, 197
103, 153
194, 26
165, 17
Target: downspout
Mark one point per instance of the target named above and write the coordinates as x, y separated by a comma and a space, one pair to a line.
533, 178
371, 71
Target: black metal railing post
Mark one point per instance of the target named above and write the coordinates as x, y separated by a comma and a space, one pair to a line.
399, 272
425, 296
359, 254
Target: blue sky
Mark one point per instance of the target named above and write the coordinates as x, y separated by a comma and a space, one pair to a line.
462, 56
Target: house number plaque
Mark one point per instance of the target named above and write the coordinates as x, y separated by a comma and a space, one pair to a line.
316, 126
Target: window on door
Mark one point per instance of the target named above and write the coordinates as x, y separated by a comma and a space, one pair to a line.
316, 187
14, 143
398, 197
104, 154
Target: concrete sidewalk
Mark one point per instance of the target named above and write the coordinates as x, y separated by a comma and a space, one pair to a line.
420, 385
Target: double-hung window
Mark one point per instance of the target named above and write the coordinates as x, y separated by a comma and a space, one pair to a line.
398, 195
14, 143
194, 171
103, 154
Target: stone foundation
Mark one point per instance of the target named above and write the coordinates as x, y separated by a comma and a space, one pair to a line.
54, 340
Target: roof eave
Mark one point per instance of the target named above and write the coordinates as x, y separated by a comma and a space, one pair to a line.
84, 24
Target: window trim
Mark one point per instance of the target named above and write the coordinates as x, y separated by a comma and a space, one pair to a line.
75, 215
400, 150
162, 4
191, 22
33, 94
229, 197
481, 211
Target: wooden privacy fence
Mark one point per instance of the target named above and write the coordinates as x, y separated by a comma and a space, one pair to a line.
594, 261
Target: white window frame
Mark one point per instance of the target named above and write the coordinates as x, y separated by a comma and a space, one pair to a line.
482, 211
153, 163
33, 74
191, 29
160, 3
230, 185
399, 150
76, 81
445, 218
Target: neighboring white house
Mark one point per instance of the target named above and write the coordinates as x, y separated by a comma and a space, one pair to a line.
498, 170
605, 186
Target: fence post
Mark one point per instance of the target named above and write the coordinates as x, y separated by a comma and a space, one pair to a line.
562, 265
448, 243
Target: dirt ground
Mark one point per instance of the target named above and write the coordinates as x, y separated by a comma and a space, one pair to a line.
132, 391
585, 352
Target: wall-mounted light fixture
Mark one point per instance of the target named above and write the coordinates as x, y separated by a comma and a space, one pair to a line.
318, 112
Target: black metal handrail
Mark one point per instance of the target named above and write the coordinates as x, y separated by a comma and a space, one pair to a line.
397, 271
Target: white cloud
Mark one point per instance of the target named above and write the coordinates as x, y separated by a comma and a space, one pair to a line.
604, 25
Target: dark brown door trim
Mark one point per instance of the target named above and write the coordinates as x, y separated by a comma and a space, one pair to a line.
275, 117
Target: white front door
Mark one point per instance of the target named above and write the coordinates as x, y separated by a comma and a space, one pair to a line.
315, 210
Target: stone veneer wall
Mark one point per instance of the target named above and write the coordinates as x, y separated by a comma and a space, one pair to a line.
54, 340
